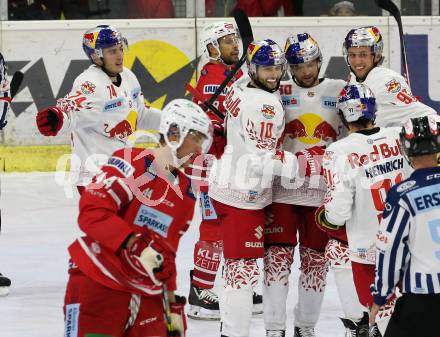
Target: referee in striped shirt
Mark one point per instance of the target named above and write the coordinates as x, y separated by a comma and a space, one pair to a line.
408, 240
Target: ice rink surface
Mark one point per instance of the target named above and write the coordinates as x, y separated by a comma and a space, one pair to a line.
39, 222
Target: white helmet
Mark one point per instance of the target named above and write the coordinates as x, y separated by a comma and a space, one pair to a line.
212, 33
185, 115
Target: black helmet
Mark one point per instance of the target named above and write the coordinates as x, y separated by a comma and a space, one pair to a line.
420, 136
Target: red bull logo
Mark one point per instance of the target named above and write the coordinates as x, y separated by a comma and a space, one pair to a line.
121, 130
310, 128
268, 111
87, 88
393, 86
90, 39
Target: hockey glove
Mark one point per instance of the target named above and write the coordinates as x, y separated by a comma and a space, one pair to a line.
310, 161
153, 258
218, 139
50, 121
178, 318
324, 224
5, 103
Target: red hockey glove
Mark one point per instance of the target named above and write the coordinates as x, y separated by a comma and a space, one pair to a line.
333, 230
153, 258
219, 139
310, 161
50, 121
178, 318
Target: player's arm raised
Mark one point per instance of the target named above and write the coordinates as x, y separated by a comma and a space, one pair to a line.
80, 108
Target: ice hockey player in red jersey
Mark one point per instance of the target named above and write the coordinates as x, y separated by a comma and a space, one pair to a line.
311, 121
133, 214
219, 43
105, 104
360, 169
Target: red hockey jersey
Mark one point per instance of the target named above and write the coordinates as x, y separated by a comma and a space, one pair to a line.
129, 194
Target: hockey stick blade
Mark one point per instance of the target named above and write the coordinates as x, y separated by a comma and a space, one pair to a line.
16, 81
391, 7
245, 29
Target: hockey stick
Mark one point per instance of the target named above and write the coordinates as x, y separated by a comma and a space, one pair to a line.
390, 7
198, 96
167, 312
16, 81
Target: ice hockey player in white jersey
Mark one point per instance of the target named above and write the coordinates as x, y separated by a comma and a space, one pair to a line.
103, 108
241, 181
5, 101
396, 103
360, 169
408, 238
311, 121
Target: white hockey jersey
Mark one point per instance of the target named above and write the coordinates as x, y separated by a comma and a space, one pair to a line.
311, 119
100, 116
254, 125
359, 170
394, 99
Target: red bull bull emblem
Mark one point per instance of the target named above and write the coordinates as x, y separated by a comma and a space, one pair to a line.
88, 88
89, 39
268, 111
393, 86
121, 130
310, 128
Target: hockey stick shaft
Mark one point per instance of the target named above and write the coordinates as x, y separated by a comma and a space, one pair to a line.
390, 7
198, 96
167, 310
16, 81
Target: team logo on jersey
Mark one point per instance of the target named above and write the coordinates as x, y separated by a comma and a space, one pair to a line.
88, 88
268, 111
328, 102
405, 186
154, 219
393, 86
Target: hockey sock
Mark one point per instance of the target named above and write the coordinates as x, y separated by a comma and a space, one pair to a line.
311, 287
337, 256
241, 277
277, 263
207, 256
